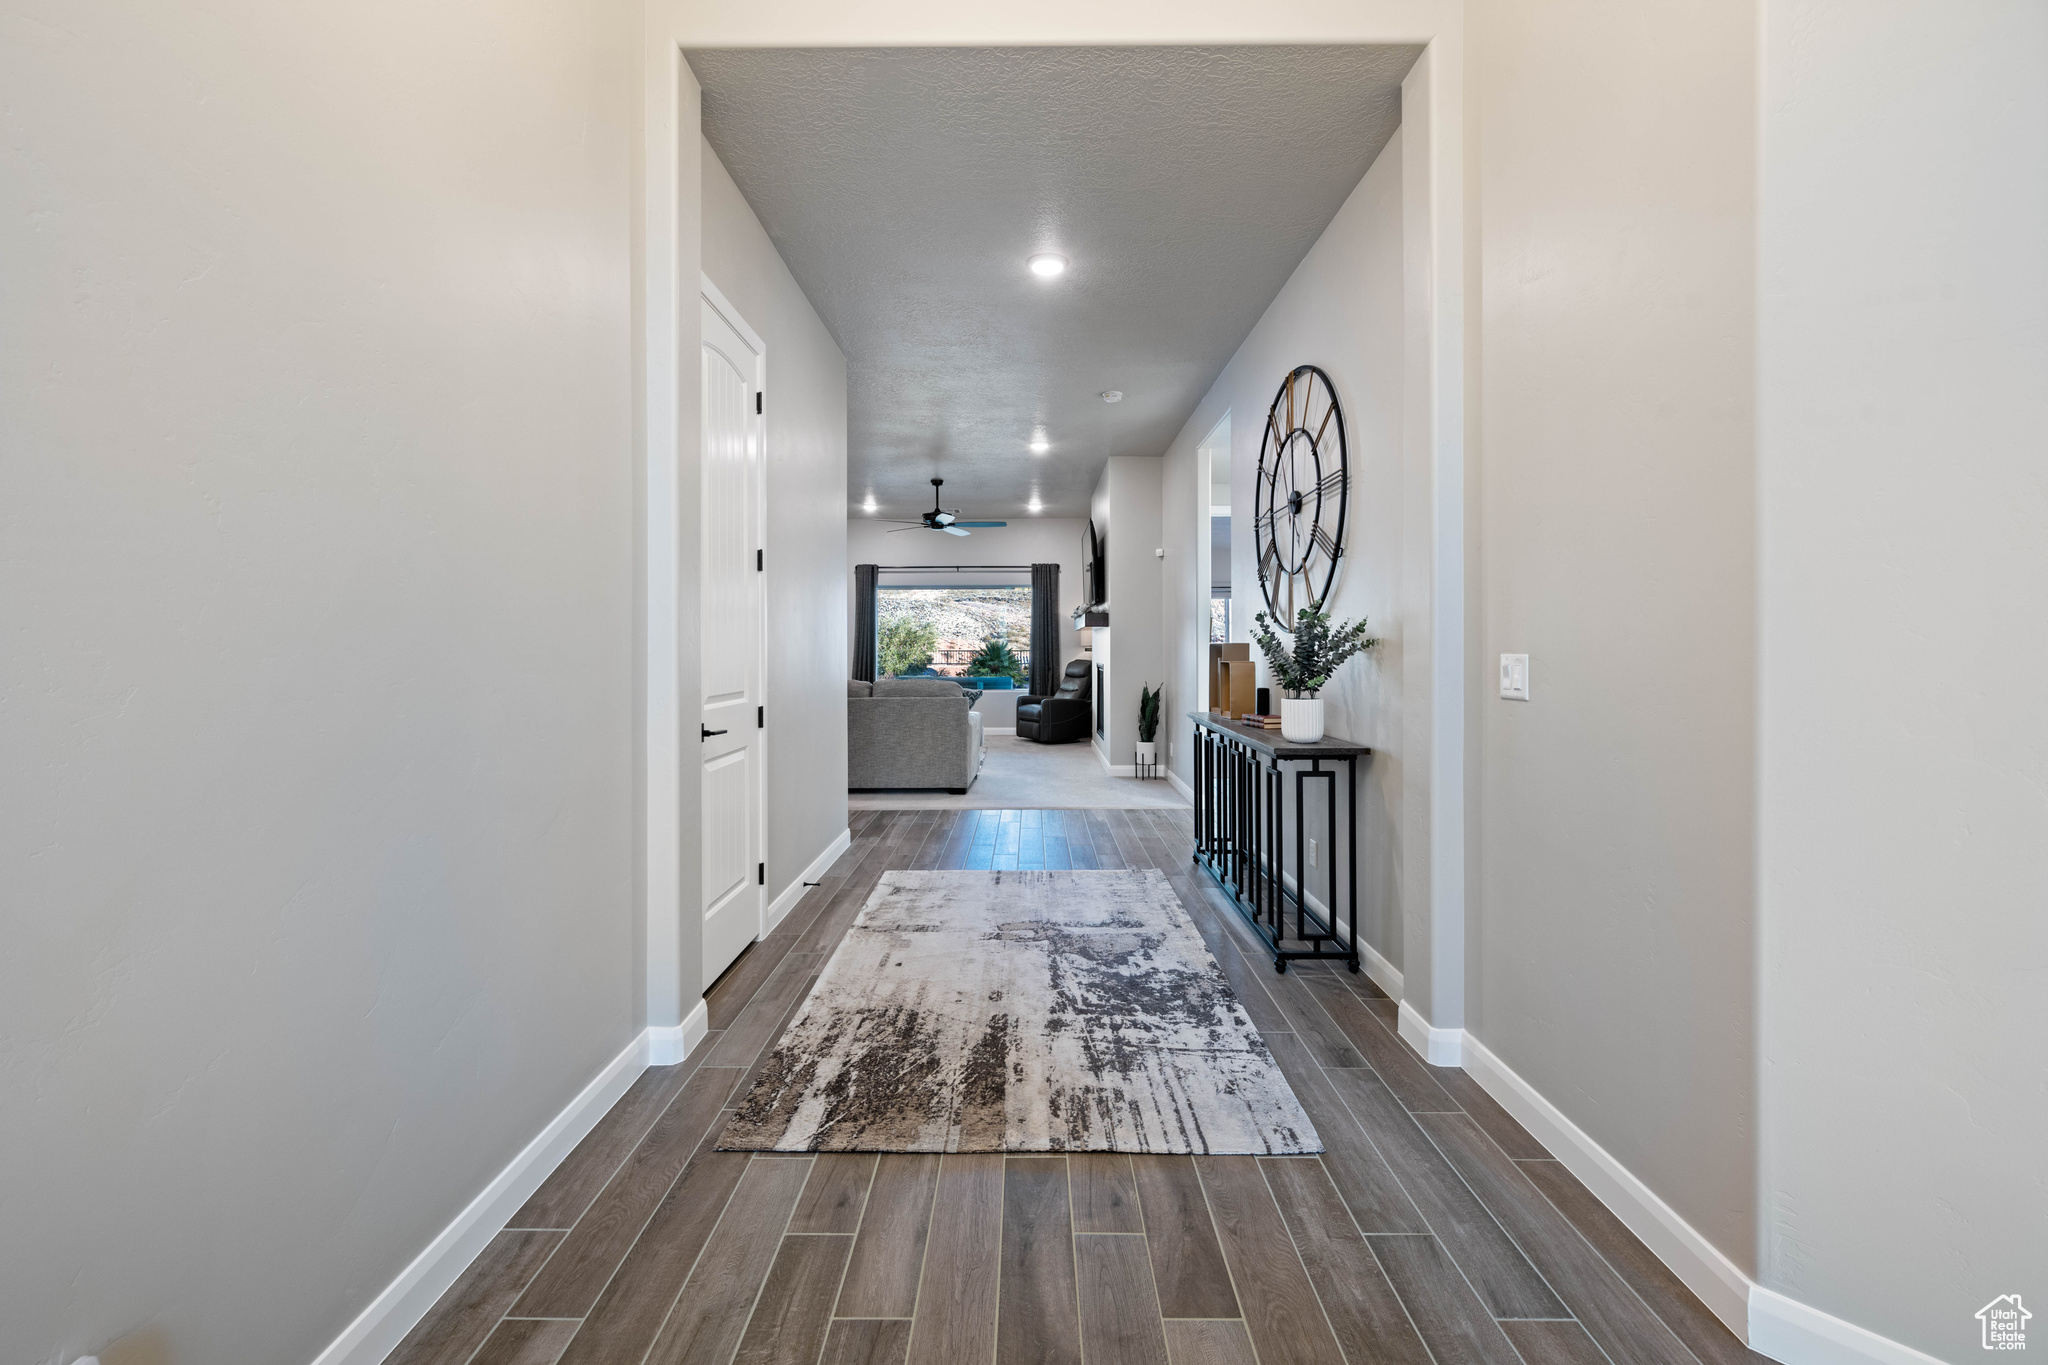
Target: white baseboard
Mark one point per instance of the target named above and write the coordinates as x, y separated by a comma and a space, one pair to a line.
1788, 1330
1183, 788
794, 892
1438, 1046
379, 1328
1770, 1323
1383, 973
669, 1044
1113, 769
1720, 1284
999, 730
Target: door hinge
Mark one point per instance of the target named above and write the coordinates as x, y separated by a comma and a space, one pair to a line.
757, 402
760, 560
760, 718
761, 873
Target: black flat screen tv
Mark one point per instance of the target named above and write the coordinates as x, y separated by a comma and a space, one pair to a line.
1094, 569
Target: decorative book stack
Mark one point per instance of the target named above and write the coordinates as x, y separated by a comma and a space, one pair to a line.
1260, 722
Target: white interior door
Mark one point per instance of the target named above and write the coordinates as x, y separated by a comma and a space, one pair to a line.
730, 750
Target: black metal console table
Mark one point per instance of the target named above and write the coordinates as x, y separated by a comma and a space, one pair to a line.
1240, 819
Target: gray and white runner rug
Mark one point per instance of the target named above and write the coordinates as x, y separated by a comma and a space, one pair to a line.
1022, 1012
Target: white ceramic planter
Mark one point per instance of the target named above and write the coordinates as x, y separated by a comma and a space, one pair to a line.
1301, 719
1148, 751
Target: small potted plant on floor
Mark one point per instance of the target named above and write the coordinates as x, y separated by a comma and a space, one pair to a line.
1148, 724
1305, 669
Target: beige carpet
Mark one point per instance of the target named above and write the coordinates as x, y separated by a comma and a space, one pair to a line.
1022, 1012
1019, 774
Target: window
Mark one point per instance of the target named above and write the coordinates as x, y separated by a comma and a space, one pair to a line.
954, 632
1219, 620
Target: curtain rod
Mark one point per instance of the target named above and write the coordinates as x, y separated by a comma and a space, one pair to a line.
956, 568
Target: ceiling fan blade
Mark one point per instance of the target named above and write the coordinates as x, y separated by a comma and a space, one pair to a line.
955, 531
981, 523
901, 529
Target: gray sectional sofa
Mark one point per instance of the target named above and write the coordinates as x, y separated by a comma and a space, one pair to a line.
911, 732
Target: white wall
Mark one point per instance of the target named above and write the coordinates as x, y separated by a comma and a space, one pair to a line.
1610, 914
1904, 749
1126, 509
805, 403
1341, 310
317, 698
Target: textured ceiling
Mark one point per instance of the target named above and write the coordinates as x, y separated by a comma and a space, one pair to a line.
906, 187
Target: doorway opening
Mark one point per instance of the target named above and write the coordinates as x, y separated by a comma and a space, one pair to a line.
1212, 471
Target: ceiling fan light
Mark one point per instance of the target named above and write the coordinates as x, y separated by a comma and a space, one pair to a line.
1047, 264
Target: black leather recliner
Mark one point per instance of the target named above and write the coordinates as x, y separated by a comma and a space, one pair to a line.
1064, 716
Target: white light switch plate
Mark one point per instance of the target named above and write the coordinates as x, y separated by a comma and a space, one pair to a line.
1514, 677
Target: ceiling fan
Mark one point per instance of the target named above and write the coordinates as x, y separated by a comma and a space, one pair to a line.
940, 520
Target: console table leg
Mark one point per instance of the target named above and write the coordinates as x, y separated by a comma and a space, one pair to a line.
1351, 849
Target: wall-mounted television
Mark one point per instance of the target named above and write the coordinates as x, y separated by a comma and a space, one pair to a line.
1094, 568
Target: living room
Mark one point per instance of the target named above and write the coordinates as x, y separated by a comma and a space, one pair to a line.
960, 608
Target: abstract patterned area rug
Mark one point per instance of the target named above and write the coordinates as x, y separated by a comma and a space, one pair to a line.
1022, 1012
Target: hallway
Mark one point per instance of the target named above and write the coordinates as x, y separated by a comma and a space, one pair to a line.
1433, 1228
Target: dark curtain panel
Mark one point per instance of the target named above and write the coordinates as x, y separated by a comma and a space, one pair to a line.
864, 576
1045, 629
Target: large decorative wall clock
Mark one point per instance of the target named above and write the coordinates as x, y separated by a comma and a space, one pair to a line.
1300, 497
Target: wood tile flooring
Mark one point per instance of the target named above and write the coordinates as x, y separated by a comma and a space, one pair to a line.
1434, 1231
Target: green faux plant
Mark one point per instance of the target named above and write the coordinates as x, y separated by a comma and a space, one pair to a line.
1319, 647
996, 660
904, 647
1148, 712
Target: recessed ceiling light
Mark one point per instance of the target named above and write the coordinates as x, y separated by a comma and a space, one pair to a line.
1047, 264
869, 505
1113, 395
1035, 504
1040, 445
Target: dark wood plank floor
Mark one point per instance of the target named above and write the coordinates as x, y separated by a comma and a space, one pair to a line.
1434, 1231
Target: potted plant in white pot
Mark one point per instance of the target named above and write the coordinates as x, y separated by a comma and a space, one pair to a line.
1148, 723
1305, 669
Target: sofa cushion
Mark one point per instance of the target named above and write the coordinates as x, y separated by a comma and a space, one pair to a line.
918, 687
855, 687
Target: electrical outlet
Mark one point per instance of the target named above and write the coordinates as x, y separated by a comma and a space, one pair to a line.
1312, 852
1514, 677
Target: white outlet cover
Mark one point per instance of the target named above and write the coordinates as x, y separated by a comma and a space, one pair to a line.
1514, 677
